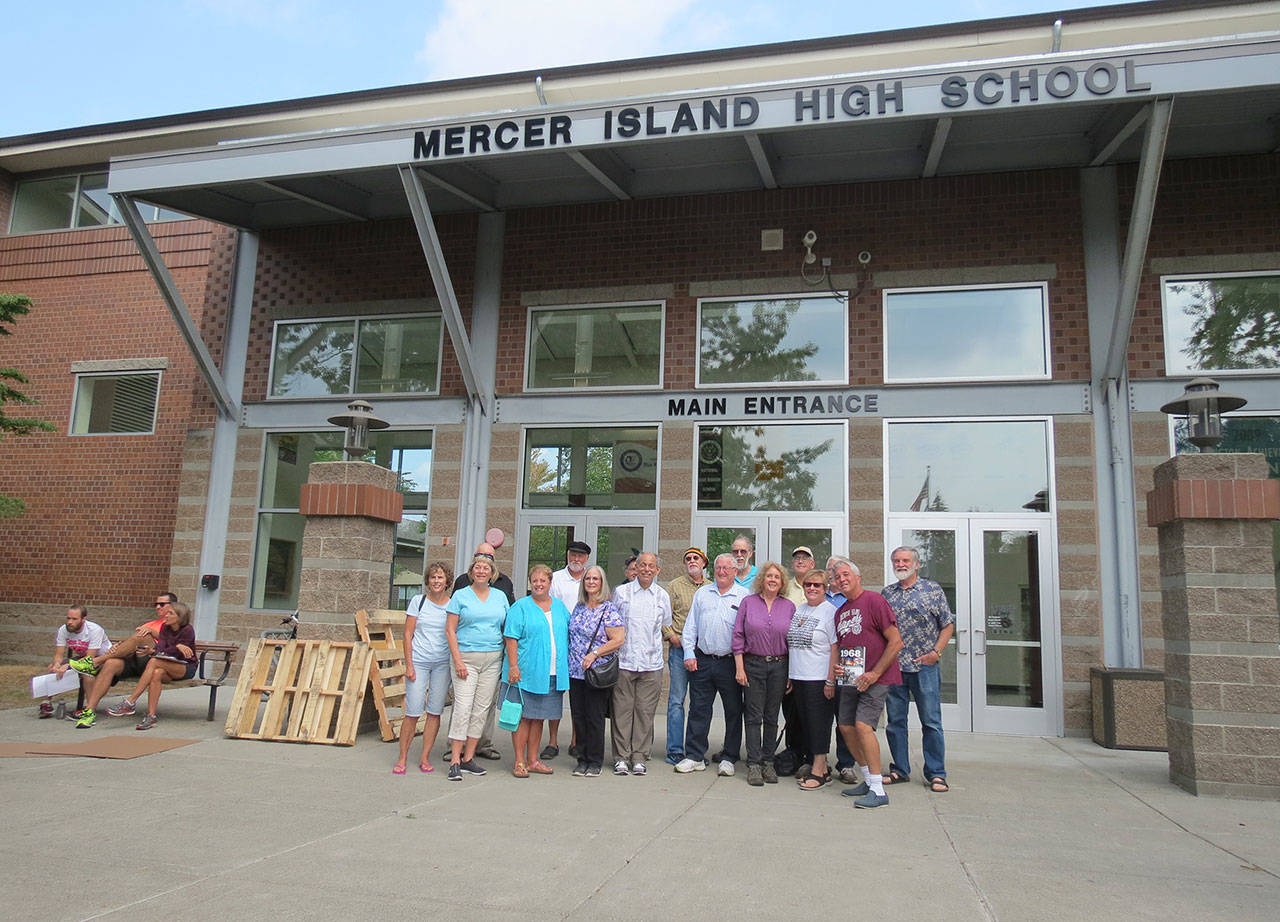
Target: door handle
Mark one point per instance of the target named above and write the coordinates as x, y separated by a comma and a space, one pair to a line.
983, 635
961, 649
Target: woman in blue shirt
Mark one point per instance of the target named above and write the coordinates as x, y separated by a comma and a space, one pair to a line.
426, 664
473, 627
537, 638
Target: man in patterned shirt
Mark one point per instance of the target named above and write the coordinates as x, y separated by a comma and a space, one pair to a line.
926, 624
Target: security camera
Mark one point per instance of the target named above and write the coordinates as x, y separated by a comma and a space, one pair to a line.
809, 238
864, 257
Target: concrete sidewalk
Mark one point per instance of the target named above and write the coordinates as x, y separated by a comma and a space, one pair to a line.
1032, 829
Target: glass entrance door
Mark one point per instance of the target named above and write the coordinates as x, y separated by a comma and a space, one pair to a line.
612, 537
774, 536
1001, 672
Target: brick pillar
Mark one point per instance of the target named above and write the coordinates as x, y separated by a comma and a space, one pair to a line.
1218, 595
352, 508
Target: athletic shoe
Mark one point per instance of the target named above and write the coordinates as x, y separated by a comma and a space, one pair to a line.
770, 773
580, 770
472, 767
684, 766
726, 768
125, 708
871, 800
455, 772
87, 719
46, 710
639, 769
620, 767
147, 722
862, 789
76, 714
84, 665
593, 771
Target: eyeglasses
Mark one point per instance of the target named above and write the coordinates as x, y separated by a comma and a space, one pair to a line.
815, 585
692, 558
159, 604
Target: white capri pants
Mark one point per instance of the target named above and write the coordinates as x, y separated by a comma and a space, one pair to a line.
473, 695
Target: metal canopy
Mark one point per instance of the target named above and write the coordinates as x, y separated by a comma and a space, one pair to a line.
1228, 102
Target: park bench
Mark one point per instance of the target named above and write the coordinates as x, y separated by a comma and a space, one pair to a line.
204, 650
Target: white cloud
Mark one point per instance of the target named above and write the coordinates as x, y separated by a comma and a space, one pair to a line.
475, 37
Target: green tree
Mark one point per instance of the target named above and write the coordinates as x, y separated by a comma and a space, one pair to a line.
1235, 321
733, 351
12, 307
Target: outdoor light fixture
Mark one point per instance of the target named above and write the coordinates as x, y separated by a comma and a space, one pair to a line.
1203, 405
357, 421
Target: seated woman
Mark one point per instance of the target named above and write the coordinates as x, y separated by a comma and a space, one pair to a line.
596, 631
173, 661
537, 666
473, 628
426, 665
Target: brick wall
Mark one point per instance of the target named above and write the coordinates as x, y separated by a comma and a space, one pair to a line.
100, 509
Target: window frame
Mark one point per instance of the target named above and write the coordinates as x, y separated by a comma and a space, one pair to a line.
354, 374
1046, 345
661, 304
158, 373
76, 198
524, 509
841, 296
1164, 323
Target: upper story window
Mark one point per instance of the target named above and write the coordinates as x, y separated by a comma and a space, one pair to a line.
115, 404
792, 339
605, 467
365, 355
1221, 323
600, 346
65, 202
991, 333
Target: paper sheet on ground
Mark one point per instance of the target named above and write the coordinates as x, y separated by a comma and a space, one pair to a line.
42, 686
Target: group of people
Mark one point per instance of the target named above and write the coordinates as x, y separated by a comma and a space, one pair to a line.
159, 651
809, 645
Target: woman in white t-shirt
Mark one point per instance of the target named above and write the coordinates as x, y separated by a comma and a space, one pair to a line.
426, 665
811, 643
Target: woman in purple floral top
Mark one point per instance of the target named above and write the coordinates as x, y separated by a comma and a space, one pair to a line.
596, 631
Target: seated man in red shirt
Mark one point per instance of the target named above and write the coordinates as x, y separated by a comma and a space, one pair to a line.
127, 659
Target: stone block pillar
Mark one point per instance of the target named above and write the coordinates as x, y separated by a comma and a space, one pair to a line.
352, 508
1221, 629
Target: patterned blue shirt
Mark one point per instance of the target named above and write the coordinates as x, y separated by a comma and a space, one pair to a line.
923, 611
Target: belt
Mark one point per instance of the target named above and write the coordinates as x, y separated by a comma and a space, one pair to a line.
767, 659
714, 655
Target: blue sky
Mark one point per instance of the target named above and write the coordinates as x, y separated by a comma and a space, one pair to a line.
72, 64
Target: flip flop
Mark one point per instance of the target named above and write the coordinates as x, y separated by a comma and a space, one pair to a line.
398, 770
896, 778
822, 780
426, 768
939, 786
540, 768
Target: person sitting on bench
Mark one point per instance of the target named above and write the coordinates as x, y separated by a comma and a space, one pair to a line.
126, 659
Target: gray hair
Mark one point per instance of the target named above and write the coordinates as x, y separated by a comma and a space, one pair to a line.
737, 538
605, 593
914, 552
656, 558
843, 562
728, 557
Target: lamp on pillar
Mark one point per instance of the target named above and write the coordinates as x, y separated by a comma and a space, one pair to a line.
1203, 404
357, 421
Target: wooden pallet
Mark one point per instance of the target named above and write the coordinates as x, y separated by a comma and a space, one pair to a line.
383, 631
300, 691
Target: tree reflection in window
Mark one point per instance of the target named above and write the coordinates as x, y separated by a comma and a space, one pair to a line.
313, 359
778, 340
1223, 323
774, 468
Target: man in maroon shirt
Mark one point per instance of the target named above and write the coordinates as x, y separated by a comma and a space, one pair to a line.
867, 664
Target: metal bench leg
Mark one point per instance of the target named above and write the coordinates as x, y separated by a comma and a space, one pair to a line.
213, 700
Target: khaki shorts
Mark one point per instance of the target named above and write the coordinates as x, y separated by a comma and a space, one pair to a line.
861, 707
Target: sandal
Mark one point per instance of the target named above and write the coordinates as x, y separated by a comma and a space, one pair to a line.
939, 786
895, 777
541, 768
520, 771
398, 770
426, 768
820, 781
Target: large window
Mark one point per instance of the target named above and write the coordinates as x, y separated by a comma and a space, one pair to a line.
285, 465
595, 346
591, 468
998, 332
373, 355
968, 466
794, 339
65, 202
1221, 323
1244, 433
115, 404
792, 468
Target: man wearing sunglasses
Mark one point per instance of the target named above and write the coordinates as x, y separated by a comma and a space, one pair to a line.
681, 590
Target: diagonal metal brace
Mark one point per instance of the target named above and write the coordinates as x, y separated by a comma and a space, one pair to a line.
227, 405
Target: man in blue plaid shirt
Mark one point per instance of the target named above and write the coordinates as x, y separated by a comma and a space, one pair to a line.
926, 623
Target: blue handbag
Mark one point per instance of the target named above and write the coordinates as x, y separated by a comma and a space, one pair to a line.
509, 715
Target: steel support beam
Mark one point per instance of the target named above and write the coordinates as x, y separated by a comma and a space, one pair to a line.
598, 173
1135, 248
430, 241
454, 190
228, 406
312, 200
1108, 149
941, 129
226, 433
763, 158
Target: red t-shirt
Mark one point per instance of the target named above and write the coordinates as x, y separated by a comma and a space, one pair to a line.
861, 622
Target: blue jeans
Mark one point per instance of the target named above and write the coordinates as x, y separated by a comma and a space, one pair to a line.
715, 676
926, 687
675, 703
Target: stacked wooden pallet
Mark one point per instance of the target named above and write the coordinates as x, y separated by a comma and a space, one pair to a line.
383, 631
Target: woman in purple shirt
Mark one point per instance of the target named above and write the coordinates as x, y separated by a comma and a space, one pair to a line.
173, 661
760, 655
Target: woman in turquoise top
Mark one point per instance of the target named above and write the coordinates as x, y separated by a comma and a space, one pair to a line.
473, 628
537, 638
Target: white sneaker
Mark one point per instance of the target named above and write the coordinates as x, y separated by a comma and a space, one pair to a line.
684, 766
726, 768
620, 767
639, 769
